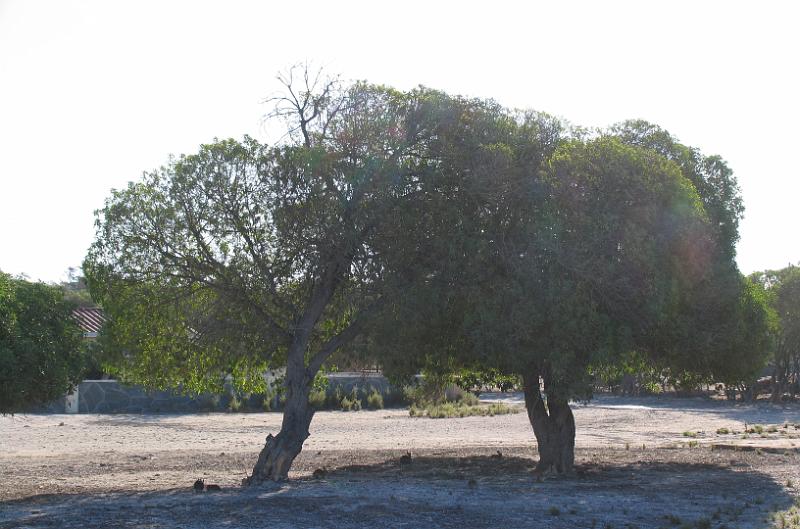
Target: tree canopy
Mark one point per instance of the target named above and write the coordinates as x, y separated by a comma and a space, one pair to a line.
603, 247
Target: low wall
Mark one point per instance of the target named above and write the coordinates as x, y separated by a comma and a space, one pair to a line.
110, 396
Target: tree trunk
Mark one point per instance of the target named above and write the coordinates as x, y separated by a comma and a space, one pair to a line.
280, 451
554, 428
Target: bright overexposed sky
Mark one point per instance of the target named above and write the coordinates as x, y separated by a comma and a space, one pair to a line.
93, 93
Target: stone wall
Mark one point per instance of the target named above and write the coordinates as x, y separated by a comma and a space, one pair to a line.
109, 396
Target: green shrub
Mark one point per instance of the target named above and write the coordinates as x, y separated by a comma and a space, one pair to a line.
375, 400
317, 398
448, 410
723, 431
468, 399
352, 402
414, 394
690, 434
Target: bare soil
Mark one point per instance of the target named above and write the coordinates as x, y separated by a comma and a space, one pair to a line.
651, 462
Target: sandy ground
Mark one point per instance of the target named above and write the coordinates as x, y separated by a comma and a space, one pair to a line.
636, 468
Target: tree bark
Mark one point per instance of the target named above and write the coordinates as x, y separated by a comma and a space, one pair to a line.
553, 426
280, 451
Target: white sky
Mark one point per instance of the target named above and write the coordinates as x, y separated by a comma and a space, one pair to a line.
92, 93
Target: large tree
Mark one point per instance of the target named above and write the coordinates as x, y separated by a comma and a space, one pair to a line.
41, 349
246, 256
596, 248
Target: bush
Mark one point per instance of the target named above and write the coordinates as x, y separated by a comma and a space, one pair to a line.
351, 402
317, 398
413, 395
468, 399
375, 400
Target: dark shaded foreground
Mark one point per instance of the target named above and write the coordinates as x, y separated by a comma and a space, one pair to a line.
612, 489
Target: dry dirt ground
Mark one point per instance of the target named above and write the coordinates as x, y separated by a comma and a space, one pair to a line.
643, 463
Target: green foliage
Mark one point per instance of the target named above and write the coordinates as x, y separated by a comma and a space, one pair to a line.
41, 350
317, 398
375, 400
477, 380
320, 383
352, 401
709, 175
449, 410
467, 399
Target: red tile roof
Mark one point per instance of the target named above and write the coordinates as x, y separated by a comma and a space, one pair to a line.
90, 319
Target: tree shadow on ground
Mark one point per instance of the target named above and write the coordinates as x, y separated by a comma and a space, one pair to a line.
440, 491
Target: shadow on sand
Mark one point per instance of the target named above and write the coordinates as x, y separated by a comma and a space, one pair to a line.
474, 492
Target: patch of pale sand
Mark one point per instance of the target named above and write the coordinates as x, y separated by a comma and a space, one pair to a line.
605, 421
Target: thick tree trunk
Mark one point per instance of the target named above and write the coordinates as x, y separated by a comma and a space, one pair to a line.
280, 451
554, 428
